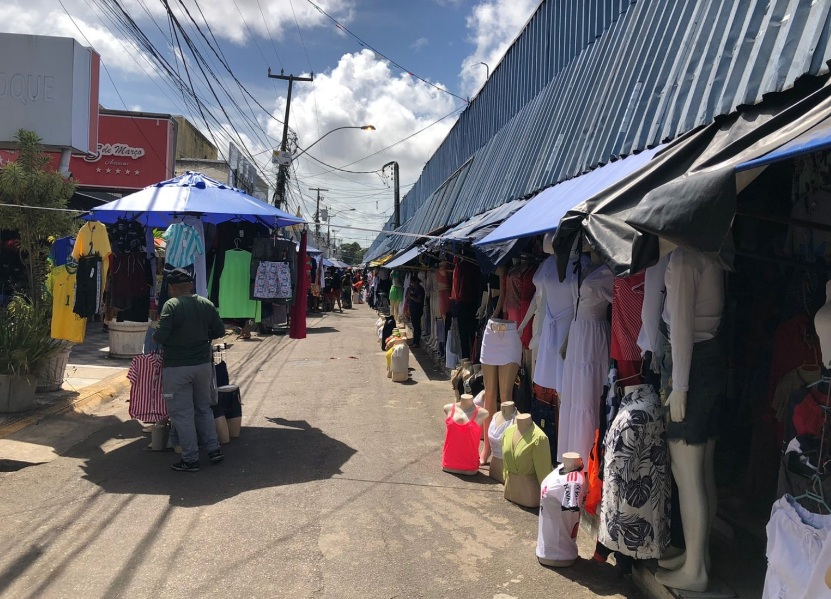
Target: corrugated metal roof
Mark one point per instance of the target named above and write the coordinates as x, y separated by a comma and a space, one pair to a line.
586, 82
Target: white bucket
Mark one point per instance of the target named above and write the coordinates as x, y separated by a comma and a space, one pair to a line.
53, 371
127, 338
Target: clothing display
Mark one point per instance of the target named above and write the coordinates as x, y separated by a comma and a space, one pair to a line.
558, 313
272, 281
495, 434
61, 250
634, 516
129, 278
444, 282
92, 240
518, 293
184, 244
586, 365
467, 285
561, 496
397, 289
531, 456
277, 281
127, 236
66, 324
501, 343
654, 292
88, 286
461, 443
788, 384
145, 376
798, 552
234, 300
627, 305
544, 408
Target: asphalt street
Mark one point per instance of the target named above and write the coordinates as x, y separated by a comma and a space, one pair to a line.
334, 489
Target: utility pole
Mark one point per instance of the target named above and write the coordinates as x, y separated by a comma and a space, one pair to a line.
397, 199
280, 192
317, 213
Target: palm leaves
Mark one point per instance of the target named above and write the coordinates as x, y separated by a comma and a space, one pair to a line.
25, 341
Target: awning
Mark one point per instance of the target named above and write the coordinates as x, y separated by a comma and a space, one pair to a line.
816, 139
405, 257
696, 210
479, 226
544, 211
382, 260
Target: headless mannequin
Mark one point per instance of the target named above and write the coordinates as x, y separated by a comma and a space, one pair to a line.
692, 464
537, 307
571, 462
499, 380
506, 413
462, 415
398, 282
822, 325
522, 489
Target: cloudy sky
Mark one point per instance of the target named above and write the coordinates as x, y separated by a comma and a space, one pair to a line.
404, 66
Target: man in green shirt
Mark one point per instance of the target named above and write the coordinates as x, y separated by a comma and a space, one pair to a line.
187, 325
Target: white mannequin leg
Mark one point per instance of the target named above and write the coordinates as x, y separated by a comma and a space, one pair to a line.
490, 376
688, 468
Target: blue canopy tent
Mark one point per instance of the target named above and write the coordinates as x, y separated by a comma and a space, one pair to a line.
191, 194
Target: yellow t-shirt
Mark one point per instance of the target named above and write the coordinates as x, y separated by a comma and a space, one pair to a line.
92, 239
65, 323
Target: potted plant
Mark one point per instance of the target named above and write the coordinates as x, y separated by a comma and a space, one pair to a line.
25, 345
33, 198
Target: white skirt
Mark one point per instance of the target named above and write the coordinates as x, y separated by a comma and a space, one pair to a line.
501, 343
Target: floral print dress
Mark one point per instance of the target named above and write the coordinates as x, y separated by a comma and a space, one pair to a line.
634, 517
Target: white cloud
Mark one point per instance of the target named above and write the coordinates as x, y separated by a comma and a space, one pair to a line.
493, 26
363, 90
419, 44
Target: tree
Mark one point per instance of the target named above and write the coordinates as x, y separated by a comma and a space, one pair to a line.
351, 253
28, 183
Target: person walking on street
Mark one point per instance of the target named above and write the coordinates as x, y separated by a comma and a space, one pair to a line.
415, 302
187, 325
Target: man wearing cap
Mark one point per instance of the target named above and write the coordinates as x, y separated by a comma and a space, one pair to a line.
187, 325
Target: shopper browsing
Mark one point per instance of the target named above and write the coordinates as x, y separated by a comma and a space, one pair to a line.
187, 325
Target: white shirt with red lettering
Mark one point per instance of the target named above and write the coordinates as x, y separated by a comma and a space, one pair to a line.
561, 497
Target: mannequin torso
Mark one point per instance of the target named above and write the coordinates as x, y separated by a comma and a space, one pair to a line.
563, 492
499, 423
464, 429
527, 461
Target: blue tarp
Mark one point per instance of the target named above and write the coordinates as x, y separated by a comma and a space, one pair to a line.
816, 139
404, 257
544, 211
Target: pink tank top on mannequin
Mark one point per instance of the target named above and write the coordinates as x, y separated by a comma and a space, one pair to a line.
461, 443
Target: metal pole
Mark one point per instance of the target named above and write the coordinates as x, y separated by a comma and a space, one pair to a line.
282, 171
317, 213
396, 219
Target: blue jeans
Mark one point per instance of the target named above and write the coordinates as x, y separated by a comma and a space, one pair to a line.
187, 393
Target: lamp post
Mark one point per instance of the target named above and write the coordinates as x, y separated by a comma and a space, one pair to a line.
396, 220
362, 127
329, 217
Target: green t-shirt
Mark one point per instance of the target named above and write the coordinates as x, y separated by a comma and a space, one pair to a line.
187, 326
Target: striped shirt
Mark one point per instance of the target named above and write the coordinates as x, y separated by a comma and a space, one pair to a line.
146, 402
184, 244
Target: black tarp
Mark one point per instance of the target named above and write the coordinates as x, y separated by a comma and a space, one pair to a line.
687, 193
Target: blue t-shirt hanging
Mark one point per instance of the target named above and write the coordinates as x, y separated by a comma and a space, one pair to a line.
61, 250
184, 244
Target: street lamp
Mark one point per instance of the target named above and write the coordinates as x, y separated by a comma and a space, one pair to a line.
284, 159
329, 217
362, 127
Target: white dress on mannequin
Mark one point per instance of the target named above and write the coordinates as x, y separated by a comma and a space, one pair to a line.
586, 364
559, 312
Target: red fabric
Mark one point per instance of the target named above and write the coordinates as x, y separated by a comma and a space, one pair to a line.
807, 415
794, 345
518, 287
145, 376
461, 443
297, 329
467, 282
627, 301
629, 370
595, 485
444, 282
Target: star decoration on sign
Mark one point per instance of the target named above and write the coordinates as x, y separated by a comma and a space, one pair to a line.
109, 170
126, 171
136, 172
118, 171
98, 170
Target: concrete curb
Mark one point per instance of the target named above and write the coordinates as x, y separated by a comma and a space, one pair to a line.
101, 392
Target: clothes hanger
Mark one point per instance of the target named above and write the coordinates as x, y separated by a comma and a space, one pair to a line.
816, 493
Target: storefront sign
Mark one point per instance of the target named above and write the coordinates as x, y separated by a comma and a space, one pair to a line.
49, 85
134, 150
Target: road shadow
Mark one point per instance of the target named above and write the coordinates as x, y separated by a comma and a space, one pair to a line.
316, 330
602, 579
433, 372
291, 452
